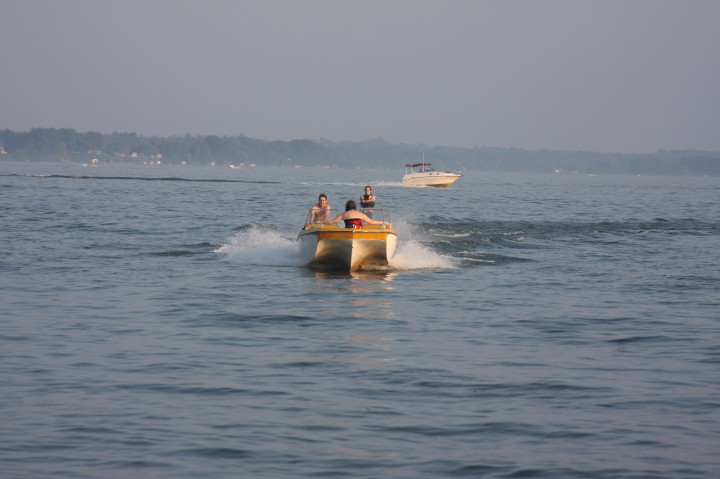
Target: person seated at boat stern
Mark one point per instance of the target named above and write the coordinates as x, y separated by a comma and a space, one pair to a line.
353, 218
321, 211
367, 200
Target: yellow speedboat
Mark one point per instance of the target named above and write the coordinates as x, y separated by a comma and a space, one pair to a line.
349, 249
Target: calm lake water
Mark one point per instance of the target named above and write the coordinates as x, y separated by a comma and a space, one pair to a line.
155, 322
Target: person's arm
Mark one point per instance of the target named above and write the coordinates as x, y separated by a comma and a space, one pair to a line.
370, 221
334, 220
314, 214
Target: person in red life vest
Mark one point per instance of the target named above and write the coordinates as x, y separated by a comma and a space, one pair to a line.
353, 218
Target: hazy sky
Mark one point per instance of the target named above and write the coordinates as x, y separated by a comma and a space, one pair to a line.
597, 75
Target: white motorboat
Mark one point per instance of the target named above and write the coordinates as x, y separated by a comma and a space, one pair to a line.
369, 247
421, 174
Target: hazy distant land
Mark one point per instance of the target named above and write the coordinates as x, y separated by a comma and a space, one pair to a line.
67, 145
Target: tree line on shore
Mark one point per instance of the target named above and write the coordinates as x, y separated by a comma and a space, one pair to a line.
68, 145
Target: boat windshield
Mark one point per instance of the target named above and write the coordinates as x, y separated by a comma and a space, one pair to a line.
418, 168
318, 216
378, 214
315, 216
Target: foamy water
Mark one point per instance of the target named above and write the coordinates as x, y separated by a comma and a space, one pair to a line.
263, 246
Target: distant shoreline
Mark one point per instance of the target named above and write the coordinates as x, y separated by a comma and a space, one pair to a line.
70, 146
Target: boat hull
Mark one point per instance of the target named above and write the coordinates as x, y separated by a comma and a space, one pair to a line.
347, 249
433, 179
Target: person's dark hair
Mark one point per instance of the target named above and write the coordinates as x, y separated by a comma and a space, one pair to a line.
350, 205
369, 187
322, 195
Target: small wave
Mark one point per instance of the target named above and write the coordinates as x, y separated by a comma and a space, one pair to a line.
215, 453
147, 178
453, 235
179, 252
636, 339
188, 250
478, 257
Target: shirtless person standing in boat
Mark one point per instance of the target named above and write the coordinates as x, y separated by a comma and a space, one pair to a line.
321, 211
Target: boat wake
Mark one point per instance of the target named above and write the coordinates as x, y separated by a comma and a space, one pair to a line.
412, 255
263, 246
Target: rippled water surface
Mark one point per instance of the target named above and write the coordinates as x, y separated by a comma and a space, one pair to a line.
156, 322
